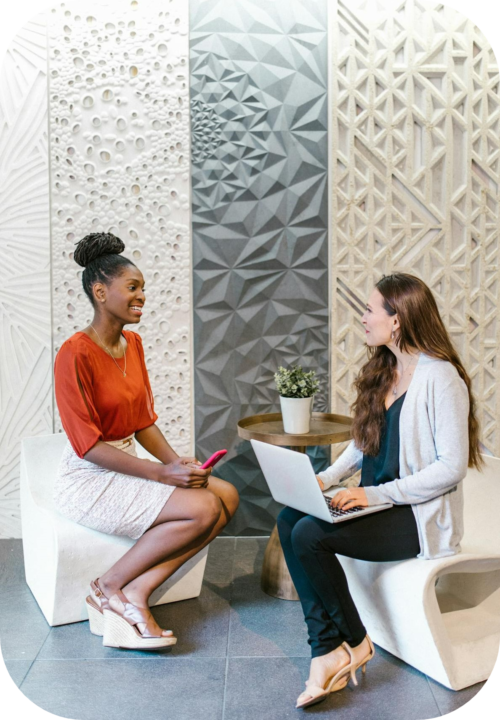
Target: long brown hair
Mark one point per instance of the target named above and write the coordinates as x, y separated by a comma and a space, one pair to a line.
421, 328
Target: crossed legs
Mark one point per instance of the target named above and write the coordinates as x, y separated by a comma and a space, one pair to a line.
188, 521
310, 547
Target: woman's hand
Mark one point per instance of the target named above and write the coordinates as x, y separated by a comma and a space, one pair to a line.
320, 482
184, 472
349, 498
194, 462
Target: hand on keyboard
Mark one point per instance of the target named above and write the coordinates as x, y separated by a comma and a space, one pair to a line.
349, 498
334, 512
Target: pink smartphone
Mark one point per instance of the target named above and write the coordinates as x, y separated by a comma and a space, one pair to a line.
214, 459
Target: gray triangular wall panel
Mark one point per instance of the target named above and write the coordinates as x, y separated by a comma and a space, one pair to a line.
260, 213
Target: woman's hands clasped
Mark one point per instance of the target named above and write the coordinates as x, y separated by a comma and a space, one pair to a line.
184, 472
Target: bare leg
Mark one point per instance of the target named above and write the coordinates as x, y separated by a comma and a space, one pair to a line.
139, 589
193, 520
186, 515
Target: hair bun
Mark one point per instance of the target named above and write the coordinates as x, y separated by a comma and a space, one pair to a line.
94, 245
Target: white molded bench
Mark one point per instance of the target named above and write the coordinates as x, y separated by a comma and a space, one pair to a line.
441, 616
61, 557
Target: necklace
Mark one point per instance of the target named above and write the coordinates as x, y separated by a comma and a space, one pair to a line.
124, 371
395, 391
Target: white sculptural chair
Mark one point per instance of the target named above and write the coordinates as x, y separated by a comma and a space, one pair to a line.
61, 557
441, 616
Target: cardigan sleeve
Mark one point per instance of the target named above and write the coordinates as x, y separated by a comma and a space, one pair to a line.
148, 415
451, 440
75, 398
344, 466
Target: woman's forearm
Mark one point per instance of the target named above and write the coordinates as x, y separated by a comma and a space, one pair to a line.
180, 472
344, 466
116, 460
153, 440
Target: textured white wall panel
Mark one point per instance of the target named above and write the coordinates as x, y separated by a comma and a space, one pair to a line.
414, 180
120, 159
25, 334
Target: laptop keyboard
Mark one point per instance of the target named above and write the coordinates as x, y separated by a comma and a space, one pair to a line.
341, 513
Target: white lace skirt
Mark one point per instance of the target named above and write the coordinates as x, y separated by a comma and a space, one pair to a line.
108, 501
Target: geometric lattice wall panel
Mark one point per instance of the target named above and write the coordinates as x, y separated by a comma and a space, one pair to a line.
260, 255
25, 339
414, 180
119, 99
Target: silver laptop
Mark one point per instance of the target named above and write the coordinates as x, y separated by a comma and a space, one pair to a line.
292, 481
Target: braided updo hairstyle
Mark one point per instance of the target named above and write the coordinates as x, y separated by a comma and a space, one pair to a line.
100, 255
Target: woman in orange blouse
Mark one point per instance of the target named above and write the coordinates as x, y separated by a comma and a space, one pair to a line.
173, 508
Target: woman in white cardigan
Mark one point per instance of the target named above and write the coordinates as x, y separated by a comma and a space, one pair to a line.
415, 432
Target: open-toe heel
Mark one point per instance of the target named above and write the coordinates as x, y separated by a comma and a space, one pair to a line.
353, 666
120, 629
96, 602
317, 693
96, 617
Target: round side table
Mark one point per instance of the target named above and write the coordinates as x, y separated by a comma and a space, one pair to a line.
325, 429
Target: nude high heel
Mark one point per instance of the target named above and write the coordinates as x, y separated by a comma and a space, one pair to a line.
353, 666
118, 628
96, 602
317, 693
340, 680
96, 617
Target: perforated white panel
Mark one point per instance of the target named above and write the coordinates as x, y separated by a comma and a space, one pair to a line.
25, 339
414, 179
119, 104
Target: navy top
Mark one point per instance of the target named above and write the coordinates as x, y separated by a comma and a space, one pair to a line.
384, 467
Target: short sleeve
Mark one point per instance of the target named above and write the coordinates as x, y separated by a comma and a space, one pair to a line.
75, 400
148, 417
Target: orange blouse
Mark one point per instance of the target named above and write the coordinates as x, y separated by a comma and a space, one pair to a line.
95, 401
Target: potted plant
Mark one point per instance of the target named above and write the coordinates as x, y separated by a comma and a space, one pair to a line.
297, 389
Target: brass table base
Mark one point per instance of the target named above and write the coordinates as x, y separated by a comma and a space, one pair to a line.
275, 579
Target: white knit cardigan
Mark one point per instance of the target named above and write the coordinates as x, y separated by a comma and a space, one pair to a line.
433, 457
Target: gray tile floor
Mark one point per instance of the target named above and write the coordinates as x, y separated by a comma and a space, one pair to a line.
241, 655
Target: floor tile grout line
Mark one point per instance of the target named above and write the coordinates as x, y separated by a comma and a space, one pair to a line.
226, 671
433, 696
35, 658
24, 676
177, 659
172, 659
228, 632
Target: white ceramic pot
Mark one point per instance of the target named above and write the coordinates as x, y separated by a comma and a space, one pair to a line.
296, 414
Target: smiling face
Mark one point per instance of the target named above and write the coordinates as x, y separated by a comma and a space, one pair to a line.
378, 323
123, 298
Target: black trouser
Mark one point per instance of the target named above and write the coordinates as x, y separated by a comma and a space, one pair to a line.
310, 546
